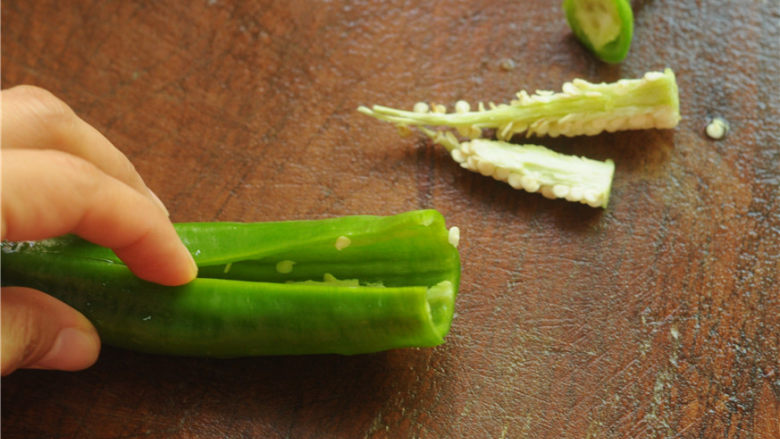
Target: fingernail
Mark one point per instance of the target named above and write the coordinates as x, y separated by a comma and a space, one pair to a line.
159, 202
73, 349
194, 266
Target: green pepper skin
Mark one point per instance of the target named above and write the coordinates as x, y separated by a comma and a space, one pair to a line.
241, 305
613, 51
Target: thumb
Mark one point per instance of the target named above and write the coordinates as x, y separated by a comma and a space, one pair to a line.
41, 332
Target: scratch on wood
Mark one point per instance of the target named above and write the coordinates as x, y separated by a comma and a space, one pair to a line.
665, 380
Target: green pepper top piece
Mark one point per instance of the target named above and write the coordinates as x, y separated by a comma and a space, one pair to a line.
605, 27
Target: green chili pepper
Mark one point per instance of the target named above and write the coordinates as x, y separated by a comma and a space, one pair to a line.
347, 285
605, 27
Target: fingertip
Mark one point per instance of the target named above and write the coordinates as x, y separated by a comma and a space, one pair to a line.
73, 349
188, 274
190, 271
172, 264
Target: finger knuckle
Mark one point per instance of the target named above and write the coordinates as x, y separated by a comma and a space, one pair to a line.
45, 103
24, 334
52, 112
80, 171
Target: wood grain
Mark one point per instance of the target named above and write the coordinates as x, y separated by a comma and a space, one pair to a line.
657, 317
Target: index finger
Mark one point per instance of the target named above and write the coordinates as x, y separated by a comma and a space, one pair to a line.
51, 193
34, 118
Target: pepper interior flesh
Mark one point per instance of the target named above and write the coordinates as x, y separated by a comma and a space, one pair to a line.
581, 108
533, 168
346, 285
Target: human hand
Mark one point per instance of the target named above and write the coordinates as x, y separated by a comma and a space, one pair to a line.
60, 175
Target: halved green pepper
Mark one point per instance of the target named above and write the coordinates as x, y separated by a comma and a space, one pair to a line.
605, 27
346, 285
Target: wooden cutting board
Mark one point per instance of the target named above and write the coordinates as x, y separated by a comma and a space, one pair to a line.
657, 317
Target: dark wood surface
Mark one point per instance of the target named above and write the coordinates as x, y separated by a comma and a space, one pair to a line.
657, 317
